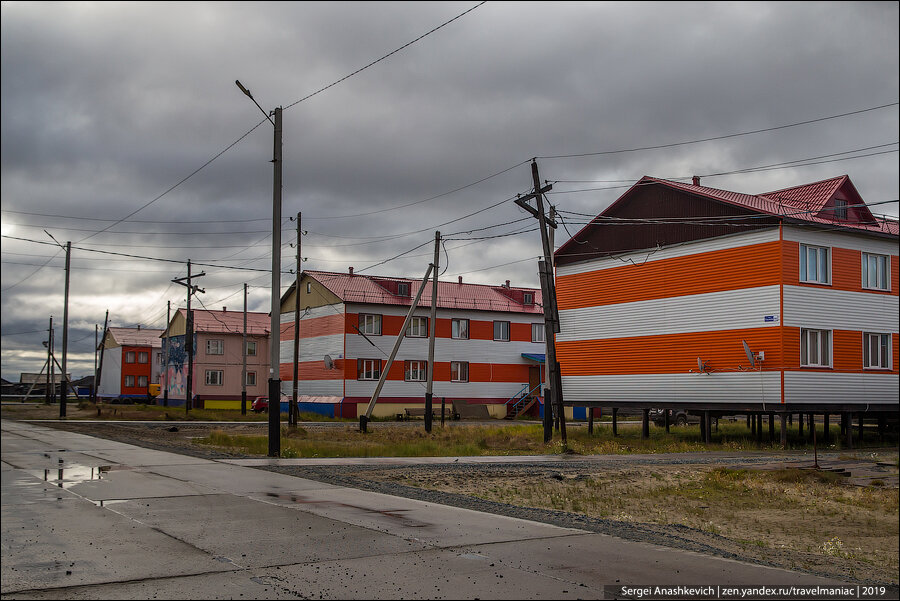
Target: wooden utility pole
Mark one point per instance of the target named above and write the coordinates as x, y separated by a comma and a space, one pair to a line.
189, 331
103, 345
65, 341
166, 355
294, 413
431, 325
244, 358
47, 395
96, 344
551, 314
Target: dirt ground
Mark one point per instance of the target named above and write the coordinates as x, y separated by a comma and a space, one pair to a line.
734, 507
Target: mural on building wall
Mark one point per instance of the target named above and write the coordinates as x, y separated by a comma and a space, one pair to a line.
177, 367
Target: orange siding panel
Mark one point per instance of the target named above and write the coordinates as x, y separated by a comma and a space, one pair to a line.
728, 269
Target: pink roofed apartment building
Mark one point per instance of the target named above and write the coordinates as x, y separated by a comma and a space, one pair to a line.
218, 360
489, 346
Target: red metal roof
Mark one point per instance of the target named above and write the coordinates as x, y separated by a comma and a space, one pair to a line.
229, 322
801, 203
136, 336
359, 288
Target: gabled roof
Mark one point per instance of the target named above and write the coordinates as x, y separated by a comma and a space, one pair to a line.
358, 288
135, 336
229, 322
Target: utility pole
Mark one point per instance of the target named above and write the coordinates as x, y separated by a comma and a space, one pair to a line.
431, 325
65, 341
294, 413
189, 331
166, 354
244, 357
275, 332
551, 315
47, 394
103, 344
96, 343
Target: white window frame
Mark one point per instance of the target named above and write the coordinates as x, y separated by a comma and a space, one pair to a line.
418, 328
885, 273
821, 341
457, 367
130, 356
159, 358
841, 209
368, 369
215, 377
129, 381
370, 324
215, 346
309, 287
415, 370
251, 379
537, 333
143, 381
822, 276
461, 325
885, 344
500, 322
251, 348
143, 357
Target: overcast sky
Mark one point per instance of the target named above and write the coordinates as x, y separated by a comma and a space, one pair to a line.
107, 106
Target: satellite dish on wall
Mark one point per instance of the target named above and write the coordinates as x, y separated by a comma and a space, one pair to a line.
751, 356
329, 362
702, 366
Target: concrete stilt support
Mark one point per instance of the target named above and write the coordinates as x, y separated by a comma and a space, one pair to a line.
707, 432
759, 428
615, 421
666, 418
881, 425
590, 411
645, 424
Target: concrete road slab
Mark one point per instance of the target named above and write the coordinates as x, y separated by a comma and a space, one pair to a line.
52, 460
133, 484
138, 457
75, 542
19, 488
429, 523
238, 480
254, 534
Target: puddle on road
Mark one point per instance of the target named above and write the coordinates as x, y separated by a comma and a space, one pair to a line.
66, 477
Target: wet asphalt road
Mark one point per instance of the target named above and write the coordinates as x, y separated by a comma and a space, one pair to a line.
84, 517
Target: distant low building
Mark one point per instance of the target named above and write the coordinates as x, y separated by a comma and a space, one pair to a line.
131, 362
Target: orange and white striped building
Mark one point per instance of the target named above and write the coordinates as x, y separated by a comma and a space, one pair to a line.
489, 343
657, 294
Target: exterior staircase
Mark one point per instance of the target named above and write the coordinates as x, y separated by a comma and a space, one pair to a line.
521, 402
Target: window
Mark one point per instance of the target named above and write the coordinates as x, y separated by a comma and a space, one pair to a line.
403, 289
159, 358
129, 357
875, 271
370, 324
537, 332
528, 298
815, 265
876, 350
142, 381
459, 329
501, 331
418, 327
251, 378
143, 357
215, 347
415, 371
840, 209
459, 371
129, 381
815, 348
368, 369
309, 287
214, 377
251, 348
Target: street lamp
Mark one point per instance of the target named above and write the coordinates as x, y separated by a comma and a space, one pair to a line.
275, 329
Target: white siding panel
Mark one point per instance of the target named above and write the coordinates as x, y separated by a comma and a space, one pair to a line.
445, 349
111, 376
325, 311
810, 307
859, 242
451, 390
819, 387
729, 310
669, 252
313, 349
424, 310
748, 387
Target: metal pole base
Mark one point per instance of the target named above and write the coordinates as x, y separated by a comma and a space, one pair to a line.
363, 423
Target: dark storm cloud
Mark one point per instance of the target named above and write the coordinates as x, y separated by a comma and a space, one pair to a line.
106, 106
